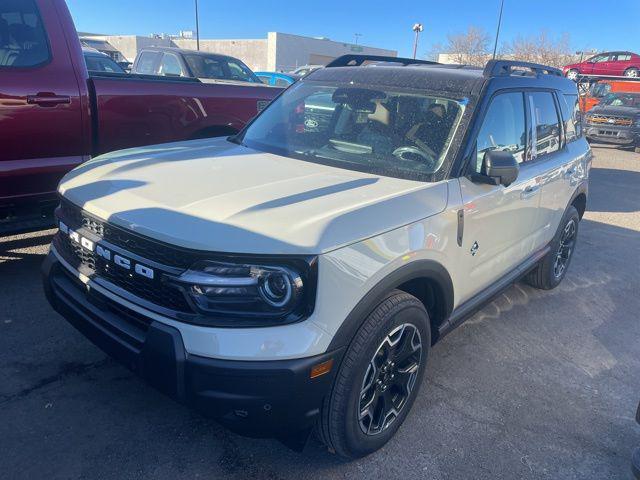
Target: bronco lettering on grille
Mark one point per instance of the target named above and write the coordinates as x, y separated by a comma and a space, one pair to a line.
106, 254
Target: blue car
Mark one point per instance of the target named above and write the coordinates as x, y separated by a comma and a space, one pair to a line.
277, 79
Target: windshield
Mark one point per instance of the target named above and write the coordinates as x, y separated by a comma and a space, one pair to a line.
622, 100
381, 131
222, 68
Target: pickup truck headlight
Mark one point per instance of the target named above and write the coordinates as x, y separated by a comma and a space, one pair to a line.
272, 292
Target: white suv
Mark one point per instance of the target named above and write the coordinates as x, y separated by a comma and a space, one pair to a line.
296, 275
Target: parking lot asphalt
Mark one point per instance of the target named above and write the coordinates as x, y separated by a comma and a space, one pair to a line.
536, 385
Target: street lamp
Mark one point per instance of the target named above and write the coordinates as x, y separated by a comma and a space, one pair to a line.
357, 35
417, 27
197, 28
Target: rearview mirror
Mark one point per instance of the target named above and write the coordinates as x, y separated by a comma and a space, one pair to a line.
499, 167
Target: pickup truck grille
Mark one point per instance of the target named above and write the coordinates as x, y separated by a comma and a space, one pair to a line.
89, 263
609, 120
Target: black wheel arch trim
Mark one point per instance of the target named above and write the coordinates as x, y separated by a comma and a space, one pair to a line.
581, 189
428, 269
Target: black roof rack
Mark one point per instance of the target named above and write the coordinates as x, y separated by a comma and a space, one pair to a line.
496, 68
357, 60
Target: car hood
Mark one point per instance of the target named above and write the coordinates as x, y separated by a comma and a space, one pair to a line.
218, 196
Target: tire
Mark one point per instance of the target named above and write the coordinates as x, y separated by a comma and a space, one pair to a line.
398, 319
573, 74
548, 274
632, 72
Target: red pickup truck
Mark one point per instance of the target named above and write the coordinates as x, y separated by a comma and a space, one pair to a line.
54, 115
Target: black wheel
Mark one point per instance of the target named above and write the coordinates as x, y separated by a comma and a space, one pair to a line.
379, 378
573, 74
632, 72
553, 267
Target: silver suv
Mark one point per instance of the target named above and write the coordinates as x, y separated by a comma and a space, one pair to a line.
295, 276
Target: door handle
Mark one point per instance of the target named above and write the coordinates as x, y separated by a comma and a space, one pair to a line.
530, 191
45, 99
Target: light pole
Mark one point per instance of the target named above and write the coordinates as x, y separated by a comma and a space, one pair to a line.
495, 45
357, 35
197, 28
417, 27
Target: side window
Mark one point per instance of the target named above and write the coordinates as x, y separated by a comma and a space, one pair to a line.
570, 106
624, 57
238, 71
170, 66
546, 131
281, 82
600, 58
146, 63
23, 40
264, 79
503, 128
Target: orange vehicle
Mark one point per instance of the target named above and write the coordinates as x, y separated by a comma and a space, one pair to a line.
602, 87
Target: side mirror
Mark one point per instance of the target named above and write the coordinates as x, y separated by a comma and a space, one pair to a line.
499, 168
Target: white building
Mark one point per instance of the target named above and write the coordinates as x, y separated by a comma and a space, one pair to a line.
277, 52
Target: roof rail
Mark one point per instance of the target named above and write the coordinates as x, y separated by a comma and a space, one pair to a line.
357, 60
496, 68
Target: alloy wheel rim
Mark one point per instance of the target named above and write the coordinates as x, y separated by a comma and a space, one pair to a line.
389, 379
572, 75
632, 73
565, 249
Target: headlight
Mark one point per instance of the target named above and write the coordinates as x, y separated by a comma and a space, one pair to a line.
256, 293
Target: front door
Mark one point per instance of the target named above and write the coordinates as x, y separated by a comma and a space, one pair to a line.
41, 129
501, 224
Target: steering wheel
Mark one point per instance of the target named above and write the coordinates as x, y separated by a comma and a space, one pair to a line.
427, 156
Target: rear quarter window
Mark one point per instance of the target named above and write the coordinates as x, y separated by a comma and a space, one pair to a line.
570, 107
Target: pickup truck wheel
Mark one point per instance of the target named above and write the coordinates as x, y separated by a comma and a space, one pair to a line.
553, 267
379, 378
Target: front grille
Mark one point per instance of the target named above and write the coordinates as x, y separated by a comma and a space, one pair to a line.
609, 120
152, 290
144, 247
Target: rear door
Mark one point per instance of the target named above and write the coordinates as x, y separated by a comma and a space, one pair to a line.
41, 120
501, 224
620, 61
601, 64
554, 157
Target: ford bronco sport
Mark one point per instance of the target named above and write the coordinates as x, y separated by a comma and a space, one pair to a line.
296, 275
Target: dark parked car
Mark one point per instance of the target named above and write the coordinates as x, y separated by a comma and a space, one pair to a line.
54, 115
616, 119
100, 62
177, 62
609, 63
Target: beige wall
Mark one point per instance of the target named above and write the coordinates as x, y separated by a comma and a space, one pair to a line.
294, 50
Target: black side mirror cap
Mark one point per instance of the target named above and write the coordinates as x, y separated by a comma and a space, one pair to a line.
499, 167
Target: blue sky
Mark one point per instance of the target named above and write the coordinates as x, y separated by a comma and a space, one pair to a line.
589, 23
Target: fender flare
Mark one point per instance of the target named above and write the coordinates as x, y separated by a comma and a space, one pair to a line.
582, 188
419, 269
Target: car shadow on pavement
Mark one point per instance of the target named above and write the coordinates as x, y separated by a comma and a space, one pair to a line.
609, 181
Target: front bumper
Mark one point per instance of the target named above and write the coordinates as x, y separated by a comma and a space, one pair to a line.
275, 398
613, 134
